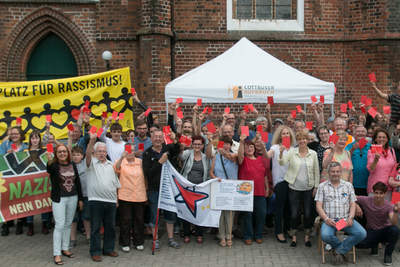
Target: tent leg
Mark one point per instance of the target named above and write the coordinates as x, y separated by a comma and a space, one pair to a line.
305, 110
332, 111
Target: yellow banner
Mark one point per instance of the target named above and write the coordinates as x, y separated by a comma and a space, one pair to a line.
62, 98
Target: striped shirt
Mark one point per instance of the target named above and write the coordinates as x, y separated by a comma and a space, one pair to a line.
336, 200
394, 100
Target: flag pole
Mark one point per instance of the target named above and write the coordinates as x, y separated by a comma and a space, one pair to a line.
155, 232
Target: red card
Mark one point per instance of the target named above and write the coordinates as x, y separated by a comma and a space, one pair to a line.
48, 118
335, 89
286, 141
141, 145
179, 114
50, 148
378, 148
333, 138
147, 112
251, 108
93, 129
121, 116
167, 140
395, 197
372, 112
270, 100
100, 132
75, 113
182, 139
188, 141
244, 130
220, 144
86, 109
264, 137
209, 110
104, 115
341, 224
322, 99
294, 114
259, 128
205, 110
70, 127
227, 110
350, 104
298, 108
199, 102
309, 125
246, 108
179, 109
386, 109
363, 99
14, 147
114, 115
18, 120
362, 143
314, 99
211, 127
179, 100
133, 91
343, 108
368, 102
372, 77
167, 129
128, 148
363, 110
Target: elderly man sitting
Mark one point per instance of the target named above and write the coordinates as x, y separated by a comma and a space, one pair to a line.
336, 202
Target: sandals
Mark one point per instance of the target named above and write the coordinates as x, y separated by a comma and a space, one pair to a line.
186, 239
69, 255
229, 243
222, 243
199, 239
60, 262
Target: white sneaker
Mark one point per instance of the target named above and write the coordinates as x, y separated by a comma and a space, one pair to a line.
140, 247
126, 249
328, 247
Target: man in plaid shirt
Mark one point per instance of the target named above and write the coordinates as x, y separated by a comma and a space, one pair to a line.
336, 201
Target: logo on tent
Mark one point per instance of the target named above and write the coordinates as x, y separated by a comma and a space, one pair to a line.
236, 91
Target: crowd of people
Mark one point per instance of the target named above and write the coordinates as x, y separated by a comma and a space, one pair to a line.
341, 172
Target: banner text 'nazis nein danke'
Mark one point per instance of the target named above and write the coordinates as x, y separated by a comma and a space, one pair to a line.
62, 98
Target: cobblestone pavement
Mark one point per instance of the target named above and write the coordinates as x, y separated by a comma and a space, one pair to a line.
21, 250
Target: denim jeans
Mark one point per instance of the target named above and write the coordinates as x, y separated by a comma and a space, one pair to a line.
356, 233
102, 213
63, 213
282, 211
388, 235
258, 215
45, 217
295, 198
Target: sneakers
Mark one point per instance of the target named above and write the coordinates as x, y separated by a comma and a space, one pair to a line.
125, 248
387, 260
374, 251
173, 244
140, 247
328, 247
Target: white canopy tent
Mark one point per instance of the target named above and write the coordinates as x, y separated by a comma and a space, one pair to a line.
246, 73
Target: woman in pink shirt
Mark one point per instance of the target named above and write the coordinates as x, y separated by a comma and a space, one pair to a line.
380, 165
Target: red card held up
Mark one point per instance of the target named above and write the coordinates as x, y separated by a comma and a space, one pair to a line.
182, 139
363, 99
341, 224
362, 143
205, 110
227, 110
141, 145
100, 132
314, 99
350, 104
93, 129
251, 108
121, 116
264, 137
286, 141
179, 100
188, 141
75, 113
133, 91
386, 109
179, 109
378, 148
87, 103
167, 140
298, 108
363, 110
167, 129
220, 144
48, 118
395, 197
294, 114
333, 138
199, 102
309, 125
259, 128
270, 100
322, 99
18, 120
128, 148
14, 147
372, 77
50, 148
114, 115
368, 102
179, 114
246, 108
211, 127
147, 112
372, 112
104, 115
244, 130
343, 108
209, 110
70, 127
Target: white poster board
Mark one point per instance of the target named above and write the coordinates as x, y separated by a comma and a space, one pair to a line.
232, 195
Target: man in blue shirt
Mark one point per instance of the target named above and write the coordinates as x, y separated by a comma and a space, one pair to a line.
141, 138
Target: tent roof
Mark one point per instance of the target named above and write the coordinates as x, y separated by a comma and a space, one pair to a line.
255, 72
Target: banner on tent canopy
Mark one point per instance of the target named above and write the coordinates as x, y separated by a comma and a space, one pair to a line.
251, 91
62, 98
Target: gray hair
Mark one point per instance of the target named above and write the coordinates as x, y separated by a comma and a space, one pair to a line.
333, 164
99, 143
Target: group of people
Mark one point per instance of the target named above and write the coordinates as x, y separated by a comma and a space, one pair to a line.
342, 170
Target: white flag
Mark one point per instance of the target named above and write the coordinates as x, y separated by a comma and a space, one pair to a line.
189, 201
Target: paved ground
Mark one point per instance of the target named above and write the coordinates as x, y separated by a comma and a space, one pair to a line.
35, 251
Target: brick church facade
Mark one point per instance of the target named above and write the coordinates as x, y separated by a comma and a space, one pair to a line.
334, 40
